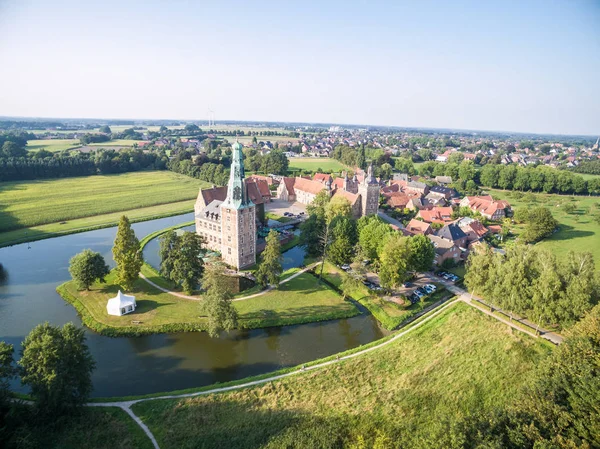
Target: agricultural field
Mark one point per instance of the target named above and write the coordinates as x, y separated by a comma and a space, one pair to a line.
300, 300
115, 143
53, 145
25, 204
578, 231
247, 140
316, 163
401, 395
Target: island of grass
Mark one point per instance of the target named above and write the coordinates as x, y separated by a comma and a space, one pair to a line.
403, 394
33, 210
302, 299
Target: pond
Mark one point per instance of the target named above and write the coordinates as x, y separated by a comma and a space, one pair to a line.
156, 363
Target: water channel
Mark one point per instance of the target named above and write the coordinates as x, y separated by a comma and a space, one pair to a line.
157, 363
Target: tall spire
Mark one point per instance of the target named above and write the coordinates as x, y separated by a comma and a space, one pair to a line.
370, 179
237, 193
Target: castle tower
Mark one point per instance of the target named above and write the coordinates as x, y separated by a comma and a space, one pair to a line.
369, 193
238, 212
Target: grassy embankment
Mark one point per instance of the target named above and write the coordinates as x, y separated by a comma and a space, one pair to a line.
301, 300
32, 210
460, 362
578, 231
53, 145
388, 313
315, 163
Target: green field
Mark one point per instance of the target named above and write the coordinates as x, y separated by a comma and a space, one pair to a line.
587, 176
25, 204
115, 143
315, 163
401, 395
301, 300
53, 145
578, 231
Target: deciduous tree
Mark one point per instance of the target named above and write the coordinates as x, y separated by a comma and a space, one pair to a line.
216, 303
88, 267
269, 269
57, 365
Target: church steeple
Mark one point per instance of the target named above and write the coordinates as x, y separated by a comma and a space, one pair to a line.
237, 193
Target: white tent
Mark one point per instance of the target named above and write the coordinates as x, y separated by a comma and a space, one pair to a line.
121, 304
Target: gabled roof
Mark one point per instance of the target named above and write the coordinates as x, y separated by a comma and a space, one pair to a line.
418, 227
352, 197
322, 177
451, 232
262, 186
436, 214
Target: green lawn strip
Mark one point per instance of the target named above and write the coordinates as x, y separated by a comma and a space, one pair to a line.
301, 300
26, 204
92, 223
278, 218
91, 428
53, 145
577, 232
458, 363
312, 164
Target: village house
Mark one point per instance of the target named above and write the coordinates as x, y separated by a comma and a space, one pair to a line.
444, 249
436, 215
415, 227
453, 233
473, 228
486, 206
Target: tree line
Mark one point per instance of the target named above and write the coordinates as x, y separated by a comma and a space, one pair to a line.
535, 283
512, 177
588, 167
43, 164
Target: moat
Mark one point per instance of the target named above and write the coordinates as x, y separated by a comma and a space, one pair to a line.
165, 362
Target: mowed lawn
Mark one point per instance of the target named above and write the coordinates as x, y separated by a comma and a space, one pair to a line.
53, 145
300, 300
30, 203
578, 231
460, 362
315, 163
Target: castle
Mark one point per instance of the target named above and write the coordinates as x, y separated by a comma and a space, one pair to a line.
227, 216
361, 191
229, 224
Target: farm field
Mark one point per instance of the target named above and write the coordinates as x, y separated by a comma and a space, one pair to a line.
459, 363
246, 140
314, 163
578, 231
53, 145
31, 203
115, 143
300, 300
587, 176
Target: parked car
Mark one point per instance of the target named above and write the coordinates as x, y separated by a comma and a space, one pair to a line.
430, 287
418, 294
301, 213
345, 267
407, 284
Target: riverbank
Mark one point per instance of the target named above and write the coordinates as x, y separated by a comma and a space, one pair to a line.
301, 300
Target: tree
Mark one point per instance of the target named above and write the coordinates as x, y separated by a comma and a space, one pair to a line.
361, 161
127, 254
338, 207
569, 208
105, 129
167, 252
373, 232
386, 171
88, 267
540, 224
187, 263
394, 258
216, 304
343, 240
11, 149
270, 268
466, 170
7, 372
57, 365
422, 253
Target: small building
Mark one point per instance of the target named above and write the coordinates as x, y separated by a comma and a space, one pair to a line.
121, 304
